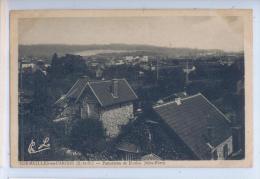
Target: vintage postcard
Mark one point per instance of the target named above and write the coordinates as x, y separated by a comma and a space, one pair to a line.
53, 178
2, 84
131, 88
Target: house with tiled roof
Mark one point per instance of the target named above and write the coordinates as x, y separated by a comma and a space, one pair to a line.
128, 151
110, 101
199, 125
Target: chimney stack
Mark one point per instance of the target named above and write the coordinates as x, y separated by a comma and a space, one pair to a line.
115, 88
178, 101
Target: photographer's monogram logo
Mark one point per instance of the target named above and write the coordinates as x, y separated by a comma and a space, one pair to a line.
32, 149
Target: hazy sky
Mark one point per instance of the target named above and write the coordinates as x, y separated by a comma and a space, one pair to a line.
205, 32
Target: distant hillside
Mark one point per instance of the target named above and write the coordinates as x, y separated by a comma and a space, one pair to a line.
48, 50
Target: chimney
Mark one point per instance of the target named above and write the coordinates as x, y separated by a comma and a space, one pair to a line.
115, 88
178, 101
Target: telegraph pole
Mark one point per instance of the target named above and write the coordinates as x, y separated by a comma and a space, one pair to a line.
187, 73
157, 71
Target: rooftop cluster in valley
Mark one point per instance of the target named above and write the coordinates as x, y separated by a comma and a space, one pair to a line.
153, 104
193, 121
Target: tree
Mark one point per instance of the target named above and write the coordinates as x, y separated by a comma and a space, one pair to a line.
87, 136
40, 97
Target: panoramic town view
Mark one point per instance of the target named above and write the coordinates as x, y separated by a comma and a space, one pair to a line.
131, 98
120, 104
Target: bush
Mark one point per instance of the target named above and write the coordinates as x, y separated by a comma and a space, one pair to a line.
88, 136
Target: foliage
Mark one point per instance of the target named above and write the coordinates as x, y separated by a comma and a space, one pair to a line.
217, 82
87, 136
67, 65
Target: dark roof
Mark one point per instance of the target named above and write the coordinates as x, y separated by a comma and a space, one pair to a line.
75, 91
77, 88
191, 119
102, 91
150, 156
128, 147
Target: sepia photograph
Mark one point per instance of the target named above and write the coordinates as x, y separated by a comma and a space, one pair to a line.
131, 88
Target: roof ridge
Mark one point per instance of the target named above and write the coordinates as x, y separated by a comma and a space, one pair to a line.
129, 87
167, 103
66, 94
82, 91
195, 95
72, 87
93, 91
198, 94
100, 81
216, 108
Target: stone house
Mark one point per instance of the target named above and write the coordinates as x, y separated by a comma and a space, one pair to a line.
110, 101
199, 125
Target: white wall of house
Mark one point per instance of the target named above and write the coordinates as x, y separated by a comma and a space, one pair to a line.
93, 110
114, 118
84, 110
220, 148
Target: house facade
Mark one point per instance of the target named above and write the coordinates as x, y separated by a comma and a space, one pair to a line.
223, 150
110, 101
199, 125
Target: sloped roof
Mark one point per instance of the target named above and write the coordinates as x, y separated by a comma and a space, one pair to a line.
150, 156
77, 88
128, 147
191, 119
101, 89
75, 91
102, 92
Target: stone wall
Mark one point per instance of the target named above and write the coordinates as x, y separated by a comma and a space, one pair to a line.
114, 118
220, 148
